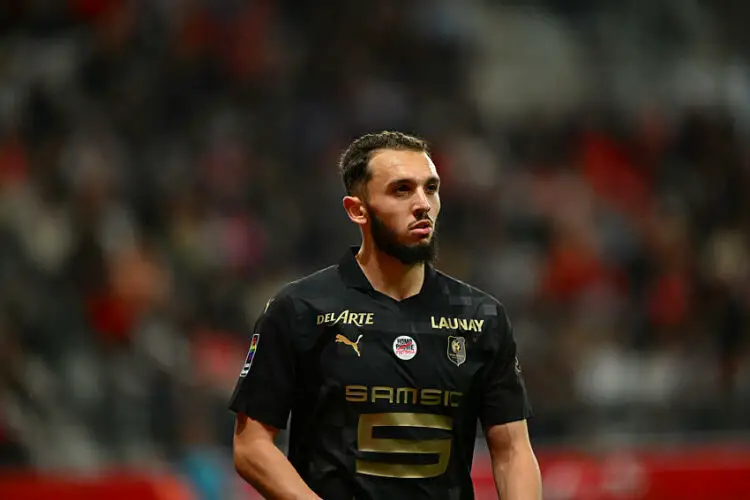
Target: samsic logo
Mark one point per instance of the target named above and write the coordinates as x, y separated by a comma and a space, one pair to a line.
402, 395
346, 318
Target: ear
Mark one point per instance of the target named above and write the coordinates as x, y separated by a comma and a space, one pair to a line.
355, 209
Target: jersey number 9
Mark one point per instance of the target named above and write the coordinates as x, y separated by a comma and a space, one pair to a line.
437, 446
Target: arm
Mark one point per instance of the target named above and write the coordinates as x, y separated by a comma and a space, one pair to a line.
505, 408
262, 401
259, 462
514, 465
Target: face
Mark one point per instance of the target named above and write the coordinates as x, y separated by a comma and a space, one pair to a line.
402, 205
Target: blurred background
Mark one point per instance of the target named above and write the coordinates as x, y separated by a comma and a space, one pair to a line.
166, 166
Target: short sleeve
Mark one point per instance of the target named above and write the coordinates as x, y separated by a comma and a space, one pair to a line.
504, 397
264, 391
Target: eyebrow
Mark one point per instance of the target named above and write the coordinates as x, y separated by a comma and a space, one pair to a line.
406, 180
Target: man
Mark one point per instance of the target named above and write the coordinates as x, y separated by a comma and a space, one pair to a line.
385, 363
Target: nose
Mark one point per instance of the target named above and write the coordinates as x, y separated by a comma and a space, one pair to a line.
422, 204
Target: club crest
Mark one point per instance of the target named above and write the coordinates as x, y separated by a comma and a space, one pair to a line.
457, 350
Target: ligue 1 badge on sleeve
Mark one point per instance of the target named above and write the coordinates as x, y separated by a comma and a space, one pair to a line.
457, 350
250, 354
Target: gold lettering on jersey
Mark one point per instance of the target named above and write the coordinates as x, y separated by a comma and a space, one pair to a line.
406, 392
463, 324
356, 393
448, 398
382, 393
346, 318
402, 395
431, 397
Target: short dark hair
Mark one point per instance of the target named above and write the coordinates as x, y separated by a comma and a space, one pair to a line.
355, 160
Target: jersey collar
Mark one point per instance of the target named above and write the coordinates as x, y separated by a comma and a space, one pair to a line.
353, 276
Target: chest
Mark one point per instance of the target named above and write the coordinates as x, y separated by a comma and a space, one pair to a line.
380, 354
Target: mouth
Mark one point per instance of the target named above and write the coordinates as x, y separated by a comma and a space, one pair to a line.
421, 228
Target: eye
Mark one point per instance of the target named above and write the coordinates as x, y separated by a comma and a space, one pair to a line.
402, 189
432, 188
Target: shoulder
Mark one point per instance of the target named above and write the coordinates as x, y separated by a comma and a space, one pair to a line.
325, 280
461, 293
295, 297
482, 307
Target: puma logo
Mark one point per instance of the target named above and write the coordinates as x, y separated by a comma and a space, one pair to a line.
354, 345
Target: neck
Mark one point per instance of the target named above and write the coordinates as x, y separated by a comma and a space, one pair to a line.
389, 275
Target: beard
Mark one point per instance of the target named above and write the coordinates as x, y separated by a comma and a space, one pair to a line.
386, 240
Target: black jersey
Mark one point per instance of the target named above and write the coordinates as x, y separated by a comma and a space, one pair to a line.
384, 395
